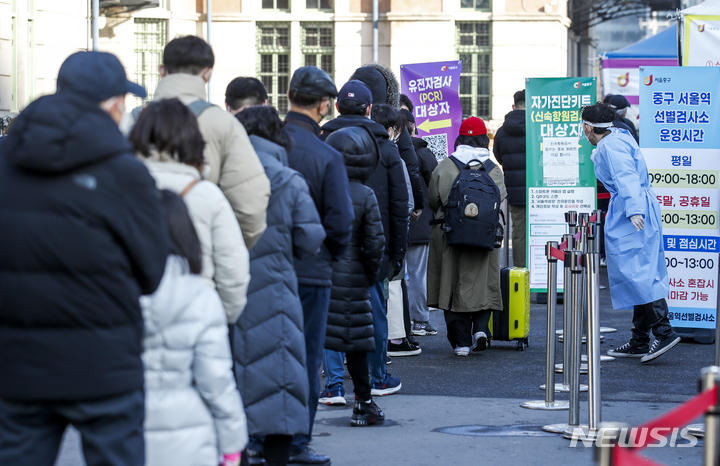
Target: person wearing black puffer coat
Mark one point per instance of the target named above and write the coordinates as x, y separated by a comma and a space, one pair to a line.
350, 321
509, 150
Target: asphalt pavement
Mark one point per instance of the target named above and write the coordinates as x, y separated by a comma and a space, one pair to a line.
465, 411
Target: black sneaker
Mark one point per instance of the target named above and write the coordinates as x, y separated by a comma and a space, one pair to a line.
254, 457
629, 350
308, 456
403, 349
366, 414
413, 341
660, 347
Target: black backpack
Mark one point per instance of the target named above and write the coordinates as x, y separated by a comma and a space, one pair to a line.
472, 213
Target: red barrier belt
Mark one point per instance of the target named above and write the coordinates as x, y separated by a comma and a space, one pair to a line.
683, 414
604, 196
678, 417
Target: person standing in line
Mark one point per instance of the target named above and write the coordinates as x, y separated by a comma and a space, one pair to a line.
621, 105
83, 236
419, 241
633, 236
388, 184
194, 413
509, 150
187, 66
268, 342
167, 138
399, 337
244, 92
310, 96
464, 283
350, 321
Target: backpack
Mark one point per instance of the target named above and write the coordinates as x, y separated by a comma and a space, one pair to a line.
472, 213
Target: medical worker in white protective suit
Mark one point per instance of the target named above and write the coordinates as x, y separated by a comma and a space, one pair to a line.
633, 236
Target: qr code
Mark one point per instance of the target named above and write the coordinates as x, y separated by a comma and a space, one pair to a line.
438, 144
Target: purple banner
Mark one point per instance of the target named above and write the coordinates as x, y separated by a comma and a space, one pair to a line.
433, 90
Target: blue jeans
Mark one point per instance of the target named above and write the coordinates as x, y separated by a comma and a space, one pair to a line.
378, 360
333, 365
315, 302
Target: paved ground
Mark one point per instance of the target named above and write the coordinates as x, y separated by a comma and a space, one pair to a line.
447, 401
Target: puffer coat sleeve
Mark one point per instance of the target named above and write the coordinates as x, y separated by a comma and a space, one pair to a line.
373, 238
308, 233
213, 377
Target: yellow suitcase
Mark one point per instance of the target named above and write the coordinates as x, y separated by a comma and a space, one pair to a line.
513, 324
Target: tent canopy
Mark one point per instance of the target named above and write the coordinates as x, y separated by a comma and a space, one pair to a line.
710, 7
661, 45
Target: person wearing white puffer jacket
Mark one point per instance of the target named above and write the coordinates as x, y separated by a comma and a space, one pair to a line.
167, 139
193, 410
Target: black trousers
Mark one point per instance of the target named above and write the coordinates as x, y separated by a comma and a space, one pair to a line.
651, 316
357, 366
462, 325
111, 430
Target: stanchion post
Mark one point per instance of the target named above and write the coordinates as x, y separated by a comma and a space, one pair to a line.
709, 379
608, 438
567, 299
571, 219
549, 403
572, 258
550, 340
592, 288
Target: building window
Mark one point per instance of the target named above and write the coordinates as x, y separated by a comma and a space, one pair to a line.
150, 40
276, 4
318, 46
481, 5
319, 4
274, 62
473, 44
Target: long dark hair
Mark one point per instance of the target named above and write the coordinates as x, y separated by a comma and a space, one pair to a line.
172, 128
265, 122
185, 241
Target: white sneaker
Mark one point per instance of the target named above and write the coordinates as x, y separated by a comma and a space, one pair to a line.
462, 351
479, 341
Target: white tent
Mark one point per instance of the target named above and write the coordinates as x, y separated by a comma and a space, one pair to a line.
701, 35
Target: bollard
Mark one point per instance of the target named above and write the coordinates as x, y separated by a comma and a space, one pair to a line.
592, 288
709, 379
549, 403
572, 261
608, 436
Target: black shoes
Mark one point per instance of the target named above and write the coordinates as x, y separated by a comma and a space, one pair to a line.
660, 347
403, 349
629, 350
366, 414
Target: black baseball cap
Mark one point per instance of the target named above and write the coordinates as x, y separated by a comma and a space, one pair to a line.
97, 76
313, 81
356, 91
619, 102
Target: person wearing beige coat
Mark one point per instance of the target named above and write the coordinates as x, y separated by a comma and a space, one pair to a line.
235, 166
464, 283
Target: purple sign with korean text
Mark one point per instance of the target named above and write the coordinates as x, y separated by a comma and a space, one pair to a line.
433, 90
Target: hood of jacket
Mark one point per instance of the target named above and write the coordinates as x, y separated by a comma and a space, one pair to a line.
61, 132
467, 153
359, 149
343, 121
270, 148
186, 87
514, 123
169, 173
382, 83
178, 289
419, 142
